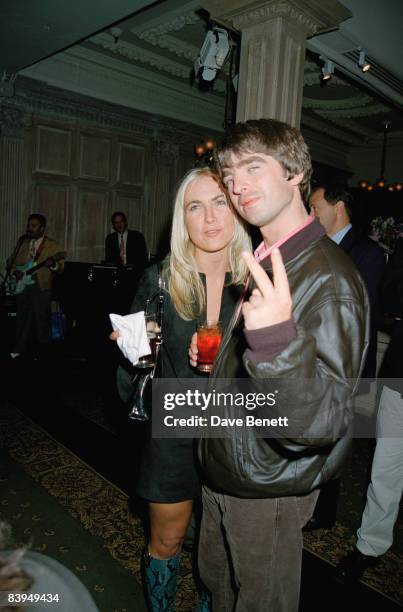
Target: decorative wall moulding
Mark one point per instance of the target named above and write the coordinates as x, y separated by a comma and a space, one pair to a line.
155, 60
373, 109
139, 54
48, 102
172, 44
331, 131
167, 152
14, 121
336, 105
353, 127
171, 25
52, 150
90, 73
269, 12
307, 15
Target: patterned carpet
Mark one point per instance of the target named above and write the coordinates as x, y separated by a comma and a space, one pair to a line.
104, 512
331, 545
99, 506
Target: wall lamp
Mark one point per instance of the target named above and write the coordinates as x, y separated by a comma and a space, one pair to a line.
363, 64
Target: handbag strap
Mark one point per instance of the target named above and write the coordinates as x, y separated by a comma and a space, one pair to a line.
160, 319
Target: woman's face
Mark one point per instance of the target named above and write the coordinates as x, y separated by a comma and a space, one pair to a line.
209, 219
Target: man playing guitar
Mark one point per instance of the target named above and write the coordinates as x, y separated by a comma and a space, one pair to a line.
36, 259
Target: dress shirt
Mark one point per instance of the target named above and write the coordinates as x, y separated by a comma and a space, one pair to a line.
338, 236
34, 246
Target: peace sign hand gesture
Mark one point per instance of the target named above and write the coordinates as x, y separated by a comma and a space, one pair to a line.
270, 302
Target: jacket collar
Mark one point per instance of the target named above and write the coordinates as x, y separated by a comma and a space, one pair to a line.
298, 243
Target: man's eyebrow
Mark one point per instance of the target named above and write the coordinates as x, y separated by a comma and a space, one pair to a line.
243, 162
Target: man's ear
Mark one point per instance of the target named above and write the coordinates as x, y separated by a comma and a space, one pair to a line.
296, 179
340, 206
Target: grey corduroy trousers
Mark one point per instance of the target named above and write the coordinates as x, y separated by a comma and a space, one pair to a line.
250, 551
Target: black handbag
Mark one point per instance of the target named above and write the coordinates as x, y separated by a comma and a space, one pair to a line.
139, 402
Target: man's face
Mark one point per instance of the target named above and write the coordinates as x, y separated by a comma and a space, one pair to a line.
34, 229
258, 188
325, 212
119, 224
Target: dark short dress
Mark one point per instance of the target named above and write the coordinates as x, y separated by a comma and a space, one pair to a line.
169, 469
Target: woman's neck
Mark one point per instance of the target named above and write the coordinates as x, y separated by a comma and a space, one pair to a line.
212, 264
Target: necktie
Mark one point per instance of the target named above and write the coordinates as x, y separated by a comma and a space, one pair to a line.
122, 249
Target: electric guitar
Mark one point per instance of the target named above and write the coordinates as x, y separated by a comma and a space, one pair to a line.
30, 268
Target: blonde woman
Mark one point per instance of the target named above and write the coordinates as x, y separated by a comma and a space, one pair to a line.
203, 276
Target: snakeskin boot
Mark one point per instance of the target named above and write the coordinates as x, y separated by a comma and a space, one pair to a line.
161, 577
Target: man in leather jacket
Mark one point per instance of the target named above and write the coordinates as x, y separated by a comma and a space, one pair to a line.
307, 318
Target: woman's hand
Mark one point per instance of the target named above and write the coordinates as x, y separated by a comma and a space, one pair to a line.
114, 335
192, 352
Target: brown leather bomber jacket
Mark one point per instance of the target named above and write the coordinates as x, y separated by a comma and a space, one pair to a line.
313, 362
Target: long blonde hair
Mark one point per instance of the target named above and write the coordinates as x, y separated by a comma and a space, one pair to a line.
185, 286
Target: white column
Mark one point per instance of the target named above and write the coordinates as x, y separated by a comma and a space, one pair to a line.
271, 73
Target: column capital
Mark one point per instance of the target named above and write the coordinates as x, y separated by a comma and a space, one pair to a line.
313, 16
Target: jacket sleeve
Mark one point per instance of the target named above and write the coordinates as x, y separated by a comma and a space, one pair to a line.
56, 249
316, 372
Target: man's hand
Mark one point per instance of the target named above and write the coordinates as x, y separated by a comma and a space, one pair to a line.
50, 262
192, 352
18, 274
270, 302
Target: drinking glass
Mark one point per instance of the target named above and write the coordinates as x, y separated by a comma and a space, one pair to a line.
209, 335
153, 333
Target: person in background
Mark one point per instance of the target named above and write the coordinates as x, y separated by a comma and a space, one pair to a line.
203, 276
124, 246
38, 251
375, 534
332, 205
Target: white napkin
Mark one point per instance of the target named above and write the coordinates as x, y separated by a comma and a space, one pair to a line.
133, 340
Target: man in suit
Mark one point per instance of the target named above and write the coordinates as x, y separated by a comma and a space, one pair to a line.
332, 203
34, 300
384, 493
124, 246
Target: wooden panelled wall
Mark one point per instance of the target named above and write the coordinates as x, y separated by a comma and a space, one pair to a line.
77, 160
79, 176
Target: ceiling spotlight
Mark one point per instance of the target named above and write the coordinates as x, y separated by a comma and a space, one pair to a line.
327, 70
116, 33
213, 54
363, 64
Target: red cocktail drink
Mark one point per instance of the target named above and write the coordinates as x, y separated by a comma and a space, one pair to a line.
209, 335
